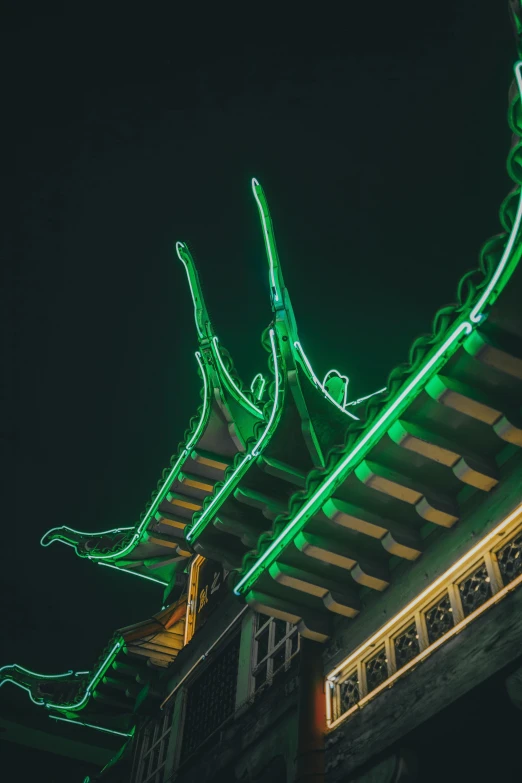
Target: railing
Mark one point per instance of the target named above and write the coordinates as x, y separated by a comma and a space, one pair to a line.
474, 583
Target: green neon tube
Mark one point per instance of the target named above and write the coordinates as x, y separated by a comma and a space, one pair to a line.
268, 235
182, 251
234, 388
465, 327
73, 706
63, 539
163, 491
256, 450
134, 573
92, 726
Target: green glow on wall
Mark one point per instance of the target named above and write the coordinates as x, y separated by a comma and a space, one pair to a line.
253, 452
134, 573
393, 410
161, 494
92, 726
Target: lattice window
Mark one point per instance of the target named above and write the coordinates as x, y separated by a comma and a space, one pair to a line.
459, 597
510, 559
475, 590
376, 670
152, 749
276, 643
349, 693
439, 619
211, 698
406, 646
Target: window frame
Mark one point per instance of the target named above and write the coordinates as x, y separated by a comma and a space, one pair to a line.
273, 649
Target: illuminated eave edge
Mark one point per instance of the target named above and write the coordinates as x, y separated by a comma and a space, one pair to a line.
498, 259
219, 378
287, 356
133, 646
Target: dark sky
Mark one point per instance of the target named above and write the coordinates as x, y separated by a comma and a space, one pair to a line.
379, 135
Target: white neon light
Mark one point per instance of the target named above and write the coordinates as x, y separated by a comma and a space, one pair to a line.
134, 573
233, 386
254, 453
315, 380
261, 385
92, 726
344, 378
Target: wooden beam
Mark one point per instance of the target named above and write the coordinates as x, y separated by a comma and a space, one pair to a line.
283, 471
488, 644
171, 520
470, 469
489, 351
310, 624
362, 570
346, 602
215, 461
246, 530
183, 501
269, 507
196, 482
471, 402
429, 504
396, 538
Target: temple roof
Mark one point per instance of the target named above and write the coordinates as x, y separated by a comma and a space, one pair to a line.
105, 696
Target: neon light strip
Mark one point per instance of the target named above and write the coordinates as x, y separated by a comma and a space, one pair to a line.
350, 458
246, 459
265, 218
94, 681
343, 378
41, 676
476, 316
166, 484
72, 530
261, 386
367, 397
315, 380
342, 469
134, 573
179, 247
92, 726
234, 388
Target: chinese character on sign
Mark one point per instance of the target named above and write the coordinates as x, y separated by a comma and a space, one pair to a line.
203, 598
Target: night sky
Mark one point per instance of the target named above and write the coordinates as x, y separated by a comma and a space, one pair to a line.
380, 138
